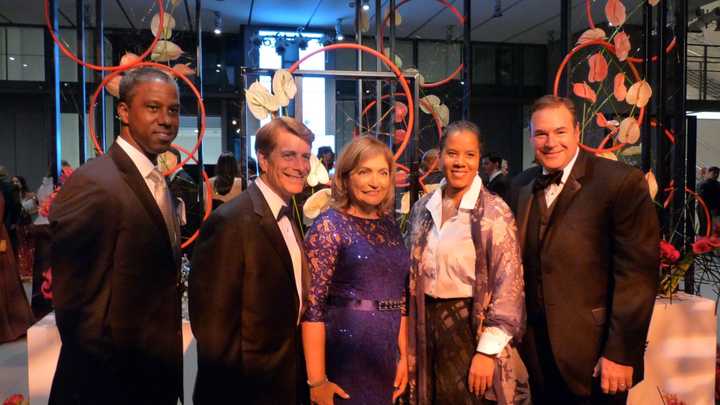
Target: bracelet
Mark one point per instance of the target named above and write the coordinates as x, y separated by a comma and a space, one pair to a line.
319, 383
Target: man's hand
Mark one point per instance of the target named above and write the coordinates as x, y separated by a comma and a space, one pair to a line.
325, 393
614, 377
481, 373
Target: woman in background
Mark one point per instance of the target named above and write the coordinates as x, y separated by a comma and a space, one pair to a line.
355, 326
226, 184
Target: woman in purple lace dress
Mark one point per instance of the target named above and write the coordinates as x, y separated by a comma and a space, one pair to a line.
355, 325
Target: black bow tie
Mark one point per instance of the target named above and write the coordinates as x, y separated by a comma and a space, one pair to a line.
542, 181
285, 211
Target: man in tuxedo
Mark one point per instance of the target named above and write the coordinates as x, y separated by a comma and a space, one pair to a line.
115, 261
498, 182
590, 238
249, 280
709, 190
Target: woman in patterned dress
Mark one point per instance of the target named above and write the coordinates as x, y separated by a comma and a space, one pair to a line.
355, 325
466, 286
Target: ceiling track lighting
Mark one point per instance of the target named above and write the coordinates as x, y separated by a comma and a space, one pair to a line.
338, 30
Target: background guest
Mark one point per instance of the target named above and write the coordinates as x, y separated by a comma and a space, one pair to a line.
498, 182
466, 286
355, 327
709, 190
226, 183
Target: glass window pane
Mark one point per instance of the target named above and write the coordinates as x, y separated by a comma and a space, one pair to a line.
212, 141
484, 64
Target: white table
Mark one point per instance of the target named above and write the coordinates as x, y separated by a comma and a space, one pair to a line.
43, 342
680, 357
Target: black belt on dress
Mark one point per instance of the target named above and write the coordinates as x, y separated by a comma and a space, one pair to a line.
365, 305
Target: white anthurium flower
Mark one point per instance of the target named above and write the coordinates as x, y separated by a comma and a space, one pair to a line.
443, 113
168, 25
283, 86
318, 173
413, 72
317, 203
260, 102
429, 103
364, 20
166, 51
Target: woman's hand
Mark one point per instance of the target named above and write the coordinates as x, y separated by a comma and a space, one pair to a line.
325, 393
481, 373
401, 378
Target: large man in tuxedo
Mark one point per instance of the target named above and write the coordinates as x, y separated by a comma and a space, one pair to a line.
590, 237
115, 261
249, 280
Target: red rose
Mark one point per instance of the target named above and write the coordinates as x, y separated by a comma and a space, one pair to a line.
702, 245
668, 253
16, 399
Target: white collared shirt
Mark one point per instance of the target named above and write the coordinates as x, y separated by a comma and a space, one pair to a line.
448, 261
554, 190
144, 165
276, 203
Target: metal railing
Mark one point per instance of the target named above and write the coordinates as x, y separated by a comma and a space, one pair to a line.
703, 72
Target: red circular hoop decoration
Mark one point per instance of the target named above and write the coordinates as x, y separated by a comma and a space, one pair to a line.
636, 74
697, 198
389, 64
461, 20
69, 54
201, 106
438, 125
208, 199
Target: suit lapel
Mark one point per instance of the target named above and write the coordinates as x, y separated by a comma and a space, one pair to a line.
137, 184
568, 193
269, 225
523, 211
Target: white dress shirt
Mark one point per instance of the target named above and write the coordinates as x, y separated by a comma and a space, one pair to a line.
144, 165
554, 190
493, 175
276, 203
448, 261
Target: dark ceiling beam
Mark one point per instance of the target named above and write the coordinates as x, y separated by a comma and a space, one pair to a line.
252, 6
487, 20
426, 22
532, 27
9, 21
127, 17
317, 6
69, 21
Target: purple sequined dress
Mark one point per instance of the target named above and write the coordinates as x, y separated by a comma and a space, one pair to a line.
358, 259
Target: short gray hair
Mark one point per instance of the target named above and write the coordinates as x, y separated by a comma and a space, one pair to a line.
134, 77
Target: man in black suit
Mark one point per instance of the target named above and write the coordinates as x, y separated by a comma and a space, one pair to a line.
249, 280
115, 261
183, 188
709, 190
590, 238
498, 182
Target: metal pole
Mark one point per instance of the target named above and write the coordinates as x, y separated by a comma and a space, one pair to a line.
393, 31
680, 151
82, 108
100, 60
199, 69
358, 39
378, 63
565, 38
646, 134
467, 59
54, 79
661, 149
690, 181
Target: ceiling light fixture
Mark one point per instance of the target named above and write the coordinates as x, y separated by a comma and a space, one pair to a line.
366, 5
218, 23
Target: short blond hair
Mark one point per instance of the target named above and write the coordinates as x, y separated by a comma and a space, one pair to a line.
360, 149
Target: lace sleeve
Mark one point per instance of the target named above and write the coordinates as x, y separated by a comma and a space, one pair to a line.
322, 244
